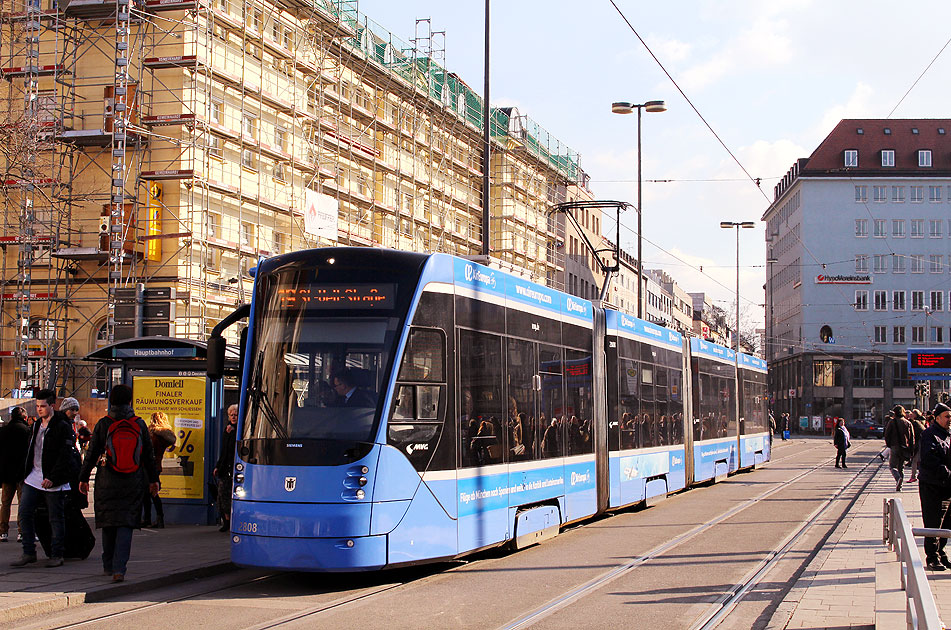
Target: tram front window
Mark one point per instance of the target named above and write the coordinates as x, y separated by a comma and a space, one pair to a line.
317, 378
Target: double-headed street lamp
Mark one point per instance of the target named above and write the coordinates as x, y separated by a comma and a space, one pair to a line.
728, 225
622, 107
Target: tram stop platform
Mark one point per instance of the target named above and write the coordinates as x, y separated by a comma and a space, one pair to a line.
159, 556
854, 579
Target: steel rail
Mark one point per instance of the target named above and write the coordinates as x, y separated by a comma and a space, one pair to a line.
575, 594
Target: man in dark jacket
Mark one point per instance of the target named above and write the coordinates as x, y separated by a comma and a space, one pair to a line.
934, 485
900, 438
50, 465
118, 495
14, 446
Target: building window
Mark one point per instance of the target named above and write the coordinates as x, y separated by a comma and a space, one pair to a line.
937, 300
213, 225
934, 263
861, 300
924, 158
881, 300
934, 194
851, 158
898, 194
917, 228
280, 171
934, 228
247, 233
861, 194
247, 158
888, 157
898, 263
280, 136
827, 373
898, 300
917, 194
898, 228
867, 373
878, 228
917, 300
879, 194
214, 146
217, 112
898, 334
881, 335
936, 334
880, 263
917, 334
249, 125
861, 263
861, 227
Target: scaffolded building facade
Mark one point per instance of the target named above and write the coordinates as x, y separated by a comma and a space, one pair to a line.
156, 149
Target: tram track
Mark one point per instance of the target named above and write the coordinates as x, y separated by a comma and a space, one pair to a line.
363, 595
736, 593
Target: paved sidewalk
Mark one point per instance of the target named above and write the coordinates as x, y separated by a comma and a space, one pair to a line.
838, 589
158, 556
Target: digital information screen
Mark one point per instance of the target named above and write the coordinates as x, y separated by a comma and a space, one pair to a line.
921, 360
340, 296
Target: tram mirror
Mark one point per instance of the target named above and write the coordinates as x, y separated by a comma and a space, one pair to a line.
216, 358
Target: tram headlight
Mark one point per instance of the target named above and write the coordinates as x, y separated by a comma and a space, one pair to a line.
239, 466
239, 478
362, 481
360, 494
239, 492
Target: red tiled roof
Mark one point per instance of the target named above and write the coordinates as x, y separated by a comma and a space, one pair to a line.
828, 158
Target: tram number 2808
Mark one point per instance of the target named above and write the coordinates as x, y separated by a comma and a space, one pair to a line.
249, 528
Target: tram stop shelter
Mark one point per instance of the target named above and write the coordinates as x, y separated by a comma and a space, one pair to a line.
168, 374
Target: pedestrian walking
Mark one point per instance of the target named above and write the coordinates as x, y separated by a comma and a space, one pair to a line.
842, 441
785, 426
51, 462
934, 485
162, 438
224, 468
772, 428
121, 450
14, 446
900, 439
919, 424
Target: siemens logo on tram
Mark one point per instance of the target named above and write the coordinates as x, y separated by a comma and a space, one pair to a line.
488, 279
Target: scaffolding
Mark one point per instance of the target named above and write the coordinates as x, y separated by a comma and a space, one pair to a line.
156, 149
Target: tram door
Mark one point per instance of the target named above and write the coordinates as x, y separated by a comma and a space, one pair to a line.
535, 397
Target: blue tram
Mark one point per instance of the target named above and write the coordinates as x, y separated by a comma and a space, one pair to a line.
400, 408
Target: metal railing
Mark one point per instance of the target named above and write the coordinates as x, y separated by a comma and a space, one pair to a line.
921, 612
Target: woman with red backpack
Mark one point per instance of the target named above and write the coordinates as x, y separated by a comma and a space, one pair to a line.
121, 450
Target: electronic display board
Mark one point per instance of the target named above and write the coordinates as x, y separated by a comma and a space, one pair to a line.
921, 360
339, 296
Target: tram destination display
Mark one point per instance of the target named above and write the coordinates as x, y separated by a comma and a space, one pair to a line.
339, 296
922, 360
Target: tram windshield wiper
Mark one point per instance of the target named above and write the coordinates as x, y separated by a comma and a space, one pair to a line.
260, 402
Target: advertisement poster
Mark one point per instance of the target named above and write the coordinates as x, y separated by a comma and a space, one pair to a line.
182, 398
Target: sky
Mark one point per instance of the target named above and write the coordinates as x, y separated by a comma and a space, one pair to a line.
771, 78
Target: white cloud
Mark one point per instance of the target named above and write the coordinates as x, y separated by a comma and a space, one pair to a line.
860, 105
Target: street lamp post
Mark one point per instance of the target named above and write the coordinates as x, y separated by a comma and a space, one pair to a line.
622, 107
729, 225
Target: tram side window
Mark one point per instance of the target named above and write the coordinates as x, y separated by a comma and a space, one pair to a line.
522, 424
480, 376
614, 409
675, 407
704, 427
579, 402
648, 409
629, 401
661, 406
551, 402
416, 423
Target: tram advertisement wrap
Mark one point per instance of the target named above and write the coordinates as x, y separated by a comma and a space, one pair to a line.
182, 398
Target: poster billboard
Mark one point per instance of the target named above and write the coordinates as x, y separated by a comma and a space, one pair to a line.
182, 398
320, 215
